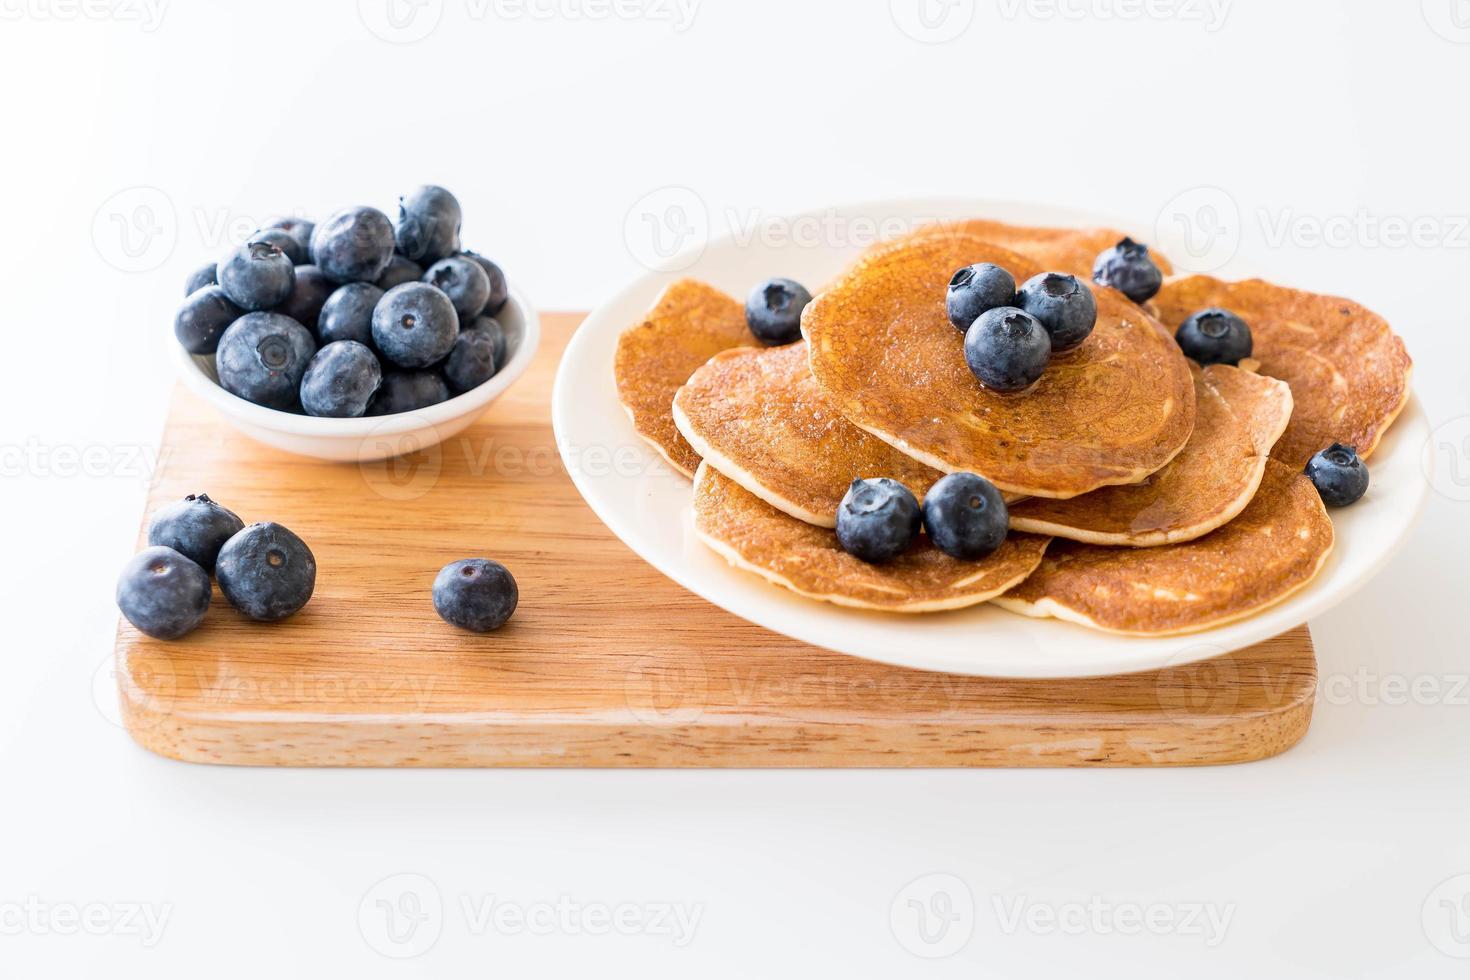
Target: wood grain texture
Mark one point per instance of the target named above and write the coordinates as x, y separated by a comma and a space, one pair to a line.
606, 662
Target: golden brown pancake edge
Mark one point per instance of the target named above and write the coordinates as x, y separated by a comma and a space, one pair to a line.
1238, 418
688, 324
885, 319
1227, 575
1349, 372
759, 417
754, 536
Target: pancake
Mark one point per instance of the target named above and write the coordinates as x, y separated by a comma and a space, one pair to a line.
757, 416
1111, 412
1275, 547
689, 323
1071, 250
1238, 417
1349, 373
753, 535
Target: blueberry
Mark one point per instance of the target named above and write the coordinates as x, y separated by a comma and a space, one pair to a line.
472, 361
476, 594
464, 282
163, 593
428, 224
285, 241
773, 310
262, 357
299, 229
400, 270
203, 318
1338, 474
1128, 269
975, 289
878, 519
257, 276
1007, 349
266, 572
353, 245
1214, 336
199, 278
348, 313
196, 527
499, 291
492, 326
308, 296
965, 515
414, 325
1063, 303
340, 380
408, 391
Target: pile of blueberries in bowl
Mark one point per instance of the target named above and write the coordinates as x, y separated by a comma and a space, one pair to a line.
355, 316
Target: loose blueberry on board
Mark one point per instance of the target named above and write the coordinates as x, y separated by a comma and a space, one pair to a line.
299, 229
773, 311
262, 357
206, 314
965, 516
285, 241
1127, 268
257, 276
1007, 349
877, 520
196, 527
400, 270
163, 593
266, 572
1063, 303
414, 325
353, 245
471, 362
348, 314
1339, 475
464, 282
1214, 336
308, 296
499, 290
428, 224
340, 381
491, 326
975, 289
199, 278
475, 594
408, 391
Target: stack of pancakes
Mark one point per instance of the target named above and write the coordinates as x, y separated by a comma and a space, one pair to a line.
1148, 495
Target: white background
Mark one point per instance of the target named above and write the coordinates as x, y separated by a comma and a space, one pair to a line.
552, 122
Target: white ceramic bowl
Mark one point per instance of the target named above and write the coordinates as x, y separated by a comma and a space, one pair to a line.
374, 437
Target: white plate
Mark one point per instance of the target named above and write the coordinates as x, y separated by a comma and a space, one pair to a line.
647, 504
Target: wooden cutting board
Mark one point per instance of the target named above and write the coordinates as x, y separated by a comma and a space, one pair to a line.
606, 662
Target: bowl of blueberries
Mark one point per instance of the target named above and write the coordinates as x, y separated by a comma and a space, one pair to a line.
358, 337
